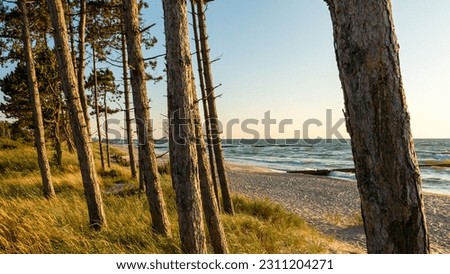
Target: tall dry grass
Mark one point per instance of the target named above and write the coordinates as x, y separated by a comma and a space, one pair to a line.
31, 224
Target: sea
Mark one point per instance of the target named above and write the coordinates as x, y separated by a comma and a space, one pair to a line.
282, 155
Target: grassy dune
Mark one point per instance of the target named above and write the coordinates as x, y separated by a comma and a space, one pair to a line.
31, 224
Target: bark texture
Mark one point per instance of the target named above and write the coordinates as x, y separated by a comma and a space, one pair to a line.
127, 107
387, 171
39, 133
160, 220
204, 100
214, 119
81, 56
209, 201
105, 103
182, 141
77, 120
97, 108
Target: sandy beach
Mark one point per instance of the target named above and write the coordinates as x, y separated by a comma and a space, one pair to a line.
331, 205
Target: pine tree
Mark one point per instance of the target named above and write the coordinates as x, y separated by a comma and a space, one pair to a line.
156, 202
214, 119
97, 218
39, 134
182, 138
387, 170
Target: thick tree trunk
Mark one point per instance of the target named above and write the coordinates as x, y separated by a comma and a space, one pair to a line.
215, 130
77, 120
201, 79
142, 113
182, 141
378, 122
39, 133
97, 108
81, 56
127, 107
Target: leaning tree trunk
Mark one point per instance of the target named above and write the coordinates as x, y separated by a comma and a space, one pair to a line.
182, 141
215, 130
127, 107
81, 56
158, 210
209, 201
387, 171
97, 108
39, 133
201, 79
77, 120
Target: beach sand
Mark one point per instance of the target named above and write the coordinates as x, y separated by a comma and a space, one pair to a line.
331, 205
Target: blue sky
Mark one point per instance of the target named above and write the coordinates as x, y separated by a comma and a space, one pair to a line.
278, 56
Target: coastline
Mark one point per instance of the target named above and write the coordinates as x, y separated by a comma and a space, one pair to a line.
331, 205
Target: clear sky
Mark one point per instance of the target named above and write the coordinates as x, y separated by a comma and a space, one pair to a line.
278, 56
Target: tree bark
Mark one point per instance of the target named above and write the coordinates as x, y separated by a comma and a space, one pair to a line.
182, 141
58, 125
204, 100
108, 158
209, 201
81, 57
72, 33
39, 133
92, 192
141, 108
97, 108
127, 107
215, 130
141, 162
387, 171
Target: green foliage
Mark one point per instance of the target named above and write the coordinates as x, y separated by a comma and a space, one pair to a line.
17, 101
10, 34
31, 224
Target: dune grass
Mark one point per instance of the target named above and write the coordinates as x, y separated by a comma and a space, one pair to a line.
31, 224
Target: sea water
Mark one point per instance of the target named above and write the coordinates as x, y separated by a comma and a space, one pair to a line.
291, 155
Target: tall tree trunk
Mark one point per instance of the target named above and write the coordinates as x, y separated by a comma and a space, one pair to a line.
92, 192
72, 33
58, 124
81, 56
209, 201
68, 133
141, 162
108, 158
183, 152
127, 107
215, 130
387, 171
97, 108
201, 79
39, 133
142, 113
